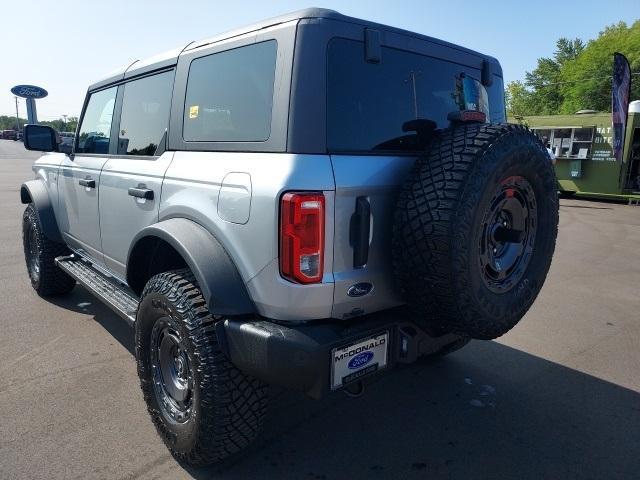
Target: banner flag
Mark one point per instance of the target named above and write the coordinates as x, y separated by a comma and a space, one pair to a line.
620, 93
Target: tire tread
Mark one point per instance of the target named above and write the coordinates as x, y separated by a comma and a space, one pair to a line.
52, 281
433, 208
233, 404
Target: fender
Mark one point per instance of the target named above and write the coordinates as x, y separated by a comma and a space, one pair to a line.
218, 278
35, 191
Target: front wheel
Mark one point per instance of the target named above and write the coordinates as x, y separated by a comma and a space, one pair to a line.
40, 253
204, 408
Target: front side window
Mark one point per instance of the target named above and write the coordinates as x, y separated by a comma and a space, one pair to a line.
230, 95
95, 131
145, 114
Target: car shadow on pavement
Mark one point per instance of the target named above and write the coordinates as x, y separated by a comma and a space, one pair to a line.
487, 411
81, 301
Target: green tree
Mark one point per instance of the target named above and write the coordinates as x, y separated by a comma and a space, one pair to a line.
588, 77
545, 81
578, 76
8, 122
61, 126
518, 99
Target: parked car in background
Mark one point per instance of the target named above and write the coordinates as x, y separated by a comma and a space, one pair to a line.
66, 143
9, 135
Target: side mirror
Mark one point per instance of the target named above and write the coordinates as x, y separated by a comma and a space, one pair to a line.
41, 138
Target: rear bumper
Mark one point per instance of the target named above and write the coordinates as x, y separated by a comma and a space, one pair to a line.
298, 357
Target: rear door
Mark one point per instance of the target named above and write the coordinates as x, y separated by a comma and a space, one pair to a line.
367, 104
131, 180
79, 177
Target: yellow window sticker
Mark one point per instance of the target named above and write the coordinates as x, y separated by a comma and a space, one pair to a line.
193, 111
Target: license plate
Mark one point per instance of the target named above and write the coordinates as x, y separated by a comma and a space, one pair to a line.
358, 359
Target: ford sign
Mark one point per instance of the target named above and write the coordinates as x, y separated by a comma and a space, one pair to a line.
360, 360
29, 91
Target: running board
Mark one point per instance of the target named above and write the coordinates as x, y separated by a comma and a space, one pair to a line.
113, 293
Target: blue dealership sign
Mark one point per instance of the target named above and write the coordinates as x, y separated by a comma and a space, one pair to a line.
29, 91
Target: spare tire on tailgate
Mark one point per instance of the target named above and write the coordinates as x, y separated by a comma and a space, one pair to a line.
475, 229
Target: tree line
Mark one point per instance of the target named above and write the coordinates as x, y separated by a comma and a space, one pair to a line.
577, 76
9, 123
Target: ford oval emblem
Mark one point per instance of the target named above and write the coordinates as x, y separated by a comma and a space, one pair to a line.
359, 289
29, 91
360, 360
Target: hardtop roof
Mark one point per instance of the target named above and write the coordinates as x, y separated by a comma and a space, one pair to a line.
169, 58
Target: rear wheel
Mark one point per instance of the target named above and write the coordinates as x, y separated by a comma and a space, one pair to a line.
475, 229
204, 408
40, 253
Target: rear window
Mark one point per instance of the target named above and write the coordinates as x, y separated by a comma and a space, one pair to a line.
230, 95
367, 103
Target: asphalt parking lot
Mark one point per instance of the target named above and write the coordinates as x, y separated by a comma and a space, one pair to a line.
557, 398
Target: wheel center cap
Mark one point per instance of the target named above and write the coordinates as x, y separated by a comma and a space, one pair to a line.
180, 367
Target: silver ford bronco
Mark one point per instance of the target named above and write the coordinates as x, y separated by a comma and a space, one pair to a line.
305, 202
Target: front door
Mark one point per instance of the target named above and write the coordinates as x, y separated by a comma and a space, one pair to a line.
131, 181
79, 177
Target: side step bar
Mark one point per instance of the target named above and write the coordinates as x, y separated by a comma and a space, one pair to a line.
114, 294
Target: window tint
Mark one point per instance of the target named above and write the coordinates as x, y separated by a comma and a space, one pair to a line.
145, 114
95, 131
367, 103
230, 95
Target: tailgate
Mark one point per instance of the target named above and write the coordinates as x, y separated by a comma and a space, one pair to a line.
366, 188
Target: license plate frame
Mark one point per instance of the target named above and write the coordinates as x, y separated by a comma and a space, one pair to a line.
358, 359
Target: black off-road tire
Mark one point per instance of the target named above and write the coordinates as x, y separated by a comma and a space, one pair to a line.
442, 263
39, 254
224, 409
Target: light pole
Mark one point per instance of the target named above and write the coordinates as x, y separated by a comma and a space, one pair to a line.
17, 118
64, 117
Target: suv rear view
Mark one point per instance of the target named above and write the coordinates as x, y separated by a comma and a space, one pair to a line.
305, 202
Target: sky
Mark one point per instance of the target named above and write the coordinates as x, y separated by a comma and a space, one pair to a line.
65, 45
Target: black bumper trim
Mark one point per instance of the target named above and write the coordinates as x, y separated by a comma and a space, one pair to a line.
298, 357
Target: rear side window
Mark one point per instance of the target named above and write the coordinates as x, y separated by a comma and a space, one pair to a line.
367, 103
95, 130
230, 95
145, 114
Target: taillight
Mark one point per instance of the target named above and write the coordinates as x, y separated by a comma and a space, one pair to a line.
302, 237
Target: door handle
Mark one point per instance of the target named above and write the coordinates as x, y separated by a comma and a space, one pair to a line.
360, 229
87, 182
141, 191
